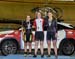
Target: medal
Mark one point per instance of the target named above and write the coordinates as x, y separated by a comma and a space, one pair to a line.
38, 27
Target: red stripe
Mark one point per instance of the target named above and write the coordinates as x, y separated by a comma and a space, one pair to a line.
2, 35
36, 25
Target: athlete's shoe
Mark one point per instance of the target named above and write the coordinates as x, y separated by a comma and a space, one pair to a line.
25, 54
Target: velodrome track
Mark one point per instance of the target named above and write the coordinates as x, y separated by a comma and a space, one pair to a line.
21, 56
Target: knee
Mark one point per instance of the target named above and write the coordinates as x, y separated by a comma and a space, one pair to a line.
49, 43
41, 43
30, 44
36, 43
25, 44
54, 44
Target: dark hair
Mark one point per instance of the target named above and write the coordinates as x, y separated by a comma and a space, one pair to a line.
50, 11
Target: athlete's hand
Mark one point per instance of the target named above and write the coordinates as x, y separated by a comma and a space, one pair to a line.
33, 26
56, 35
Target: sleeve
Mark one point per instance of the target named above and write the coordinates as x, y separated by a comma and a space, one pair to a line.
34, 23
56, 25
24, 24
31, 23
45, 24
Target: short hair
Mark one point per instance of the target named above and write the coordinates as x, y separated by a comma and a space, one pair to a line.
50, 11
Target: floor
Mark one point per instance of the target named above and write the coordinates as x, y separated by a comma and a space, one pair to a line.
21, 56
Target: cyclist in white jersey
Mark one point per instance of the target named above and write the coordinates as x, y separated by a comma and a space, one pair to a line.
39, 33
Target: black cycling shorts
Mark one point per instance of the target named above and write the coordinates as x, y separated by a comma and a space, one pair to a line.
39, 35
51, 36
28, 36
